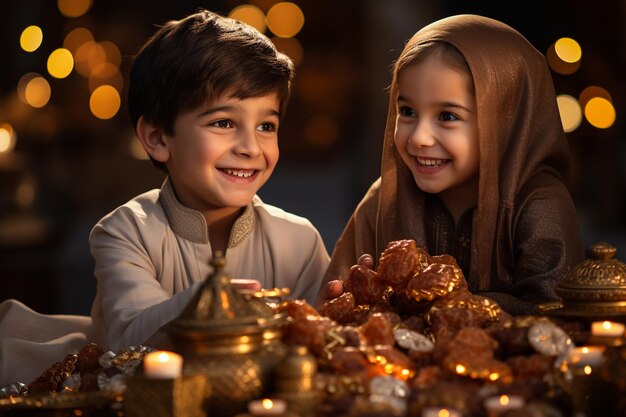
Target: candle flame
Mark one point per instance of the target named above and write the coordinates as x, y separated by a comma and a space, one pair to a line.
607, 325
504, 399
587, 370
267, 403
443, 413
460, 369
585, 349
163, 357
494, 376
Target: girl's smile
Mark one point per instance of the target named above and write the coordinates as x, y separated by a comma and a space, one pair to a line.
436, 131
429, 166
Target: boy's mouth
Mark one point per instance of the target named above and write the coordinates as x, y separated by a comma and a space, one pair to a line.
431, 163
240, 173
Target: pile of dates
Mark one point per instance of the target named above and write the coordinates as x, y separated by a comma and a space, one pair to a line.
414, 320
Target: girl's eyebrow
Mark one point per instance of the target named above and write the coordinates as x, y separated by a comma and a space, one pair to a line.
448, 104
445, 104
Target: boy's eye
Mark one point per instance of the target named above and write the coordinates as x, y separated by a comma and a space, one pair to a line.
267, 127
447, 117
223, 124
406, 111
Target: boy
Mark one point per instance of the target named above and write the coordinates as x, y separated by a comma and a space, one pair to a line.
206, 95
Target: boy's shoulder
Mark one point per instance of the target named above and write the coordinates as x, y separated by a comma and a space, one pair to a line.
141, 208
280, 226
268, 212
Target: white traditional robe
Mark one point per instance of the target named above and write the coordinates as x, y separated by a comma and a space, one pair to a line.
151, 254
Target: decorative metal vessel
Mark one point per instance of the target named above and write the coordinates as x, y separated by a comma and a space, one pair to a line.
230, 337
594, 289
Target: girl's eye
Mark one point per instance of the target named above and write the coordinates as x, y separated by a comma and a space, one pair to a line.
267, 127
222, 124
447, 117
406, 111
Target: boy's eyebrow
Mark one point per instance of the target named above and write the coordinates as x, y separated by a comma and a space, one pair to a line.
446, 104
226, 108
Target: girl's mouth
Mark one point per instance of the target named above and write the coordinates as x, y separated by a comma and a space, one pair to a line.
431, 163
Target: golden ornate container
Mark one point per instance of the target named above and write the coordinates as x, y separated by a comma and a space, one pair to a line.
224, 334
594, 289
180, 397
296, 381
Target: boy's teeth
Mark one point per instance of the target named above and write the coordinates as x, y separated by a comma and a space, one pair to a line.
241, 173
431, 162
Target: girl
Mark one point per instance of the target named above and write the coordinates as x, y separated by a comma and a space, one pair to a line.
474, 165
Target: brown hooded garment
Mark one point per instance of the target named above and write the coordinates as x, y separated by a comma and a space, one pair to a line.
523, 236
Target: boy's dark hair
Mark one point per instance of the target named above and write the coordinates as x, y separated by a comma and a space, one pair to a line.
195, 60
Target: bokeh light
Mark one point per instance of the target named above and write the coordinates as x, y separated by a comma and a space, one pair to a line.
290, 47
263, 4
251, 15
7, 138
600, 113
570, 111
558, 65
60, 63
568, 50
31, 38
106, 73
104, 102
76, 38
37, 92
591, 92
22, 83
88, 56
112, 52
73, 8
285, 19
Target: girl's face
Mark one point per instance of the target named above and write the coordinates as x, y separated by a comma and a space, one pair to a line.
436, 129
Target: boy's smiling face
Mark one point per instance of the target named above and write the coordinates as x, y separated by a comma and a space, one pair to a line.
220, 154
436, 128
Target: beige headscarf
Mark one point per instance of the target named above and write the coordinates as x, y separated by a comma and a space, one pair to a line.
521, 142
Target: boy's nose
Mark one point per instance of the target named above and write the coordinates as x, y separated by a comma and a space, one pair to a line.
248, 144
422, 136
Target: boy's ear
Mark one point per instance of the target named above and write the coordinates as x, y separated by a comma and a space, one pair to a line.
152, 139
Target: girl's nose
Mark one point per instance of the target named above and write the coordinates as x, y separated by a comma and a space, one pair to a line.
422, 136
248, 144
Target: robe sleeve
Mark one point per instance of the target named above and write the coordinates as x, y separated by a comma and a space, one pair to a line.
546, 245
130, 298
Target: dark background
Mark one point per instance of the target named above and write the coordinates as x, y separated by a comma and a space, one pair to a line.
81, 167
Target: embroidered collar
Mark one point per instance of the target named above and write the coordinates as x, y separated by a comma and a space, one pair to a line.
191, 224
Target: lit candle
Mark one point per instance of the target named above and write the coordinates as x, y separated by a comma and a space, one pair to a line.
163, 365
586, 358
267, 407
440, 412
607, 328
498, 405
